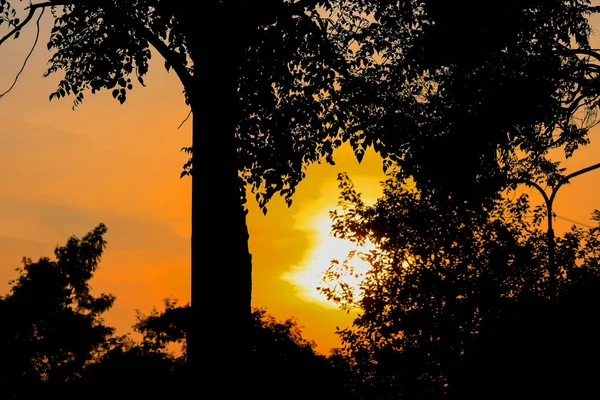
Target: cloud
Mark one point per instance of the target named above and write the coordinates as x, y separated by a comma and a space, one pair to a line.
25, 137
145, 260
40, 220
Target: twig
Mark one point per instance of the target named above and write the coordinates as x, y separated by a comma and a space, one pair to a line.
37, 35
32, 8
186, 118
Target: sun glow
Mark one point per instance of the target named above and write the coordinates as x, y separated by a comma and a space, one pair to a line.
308, 276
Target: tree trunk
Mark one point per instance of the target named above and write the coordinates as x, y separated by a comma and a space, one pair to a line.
221, 261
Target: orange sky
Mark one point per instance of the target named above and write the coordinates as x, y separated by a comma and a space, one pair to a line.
62, 172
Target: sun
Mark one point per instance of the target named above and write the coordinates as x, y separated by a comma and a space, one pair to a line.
308, 275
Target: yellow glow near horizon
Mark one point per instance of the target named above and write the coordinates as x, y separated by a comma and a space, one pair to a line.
308, 276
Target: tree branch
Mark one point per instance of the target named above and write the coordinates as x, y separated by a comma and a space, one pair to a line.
170, 56
19, 26
37, 35
588, 52
186, 118
32, 8
182, 72
152, 39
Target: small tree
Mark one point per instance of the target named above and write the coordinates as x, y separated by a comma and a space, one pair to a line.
167, 327
53, 324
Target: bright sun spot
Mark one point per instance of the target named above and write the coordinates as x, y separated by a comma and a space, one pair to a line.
308, 276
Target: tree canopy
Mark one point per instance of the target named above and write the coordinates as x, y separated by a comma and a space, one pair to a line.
419, 80
462, 95
443, 278
53, 326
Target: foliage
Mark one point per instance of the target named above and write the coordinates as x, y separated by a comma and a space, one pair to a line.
282, 359
462, 95
147, 369
438, 276
459, 97
55, 341
287, 365
419, 80
170, 326
53, 324
130, 369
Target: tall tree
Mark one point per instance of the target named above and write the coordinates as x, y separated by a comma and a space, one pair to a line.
257, 78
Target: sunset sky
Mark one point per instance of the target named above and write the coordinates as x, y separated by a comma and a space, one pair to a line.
62, 172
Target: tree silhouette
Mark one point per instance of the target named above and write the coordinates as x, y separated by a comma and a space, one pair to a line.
146, 369
462, 95
522, 83
55, 342
53, 325
300, 77
170, 326
287, 365
263, 106
284, 363
440, 277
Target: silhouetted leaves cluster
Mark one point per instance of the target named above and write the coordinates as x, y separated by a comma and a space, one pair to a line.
441, 283
462, 95
52, 323
284, 364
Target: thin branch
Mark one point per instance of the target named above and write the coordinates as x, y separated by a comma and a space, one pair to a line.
32, 8
154, 40
579, 51
575, 105
37, 35
588, 52
186, 118
20, 26
52, 3
160, 46
592, 67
